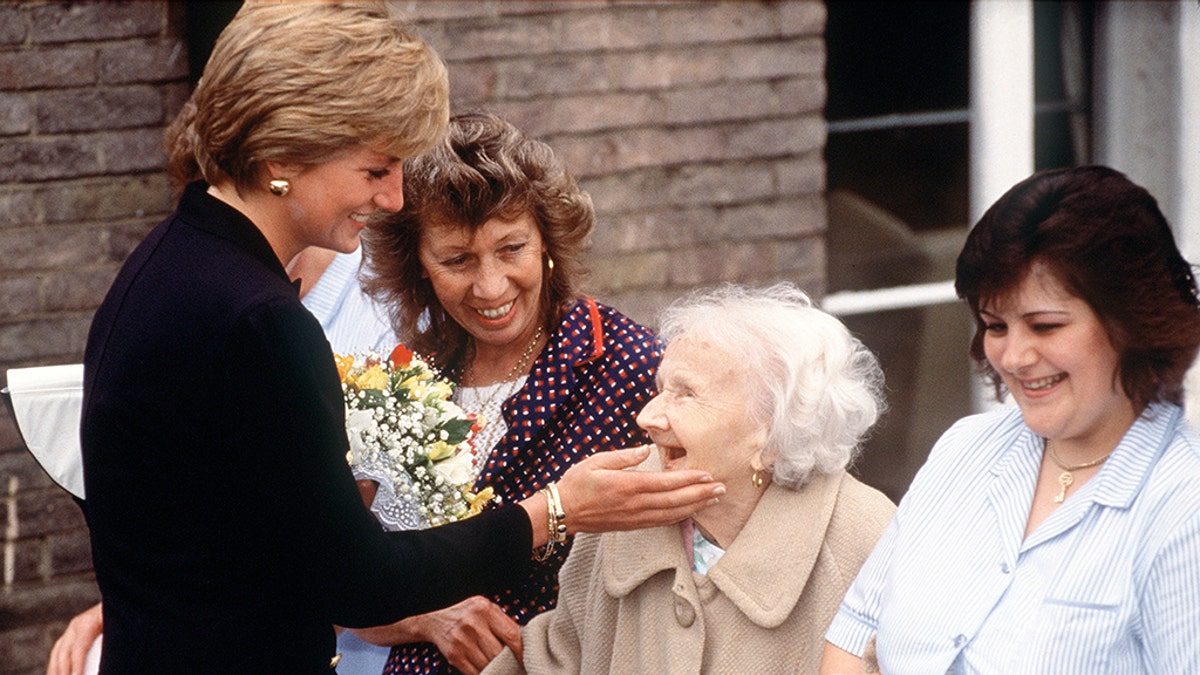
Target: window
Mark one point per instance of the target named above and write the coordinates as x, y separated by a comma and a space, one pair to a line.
899, 199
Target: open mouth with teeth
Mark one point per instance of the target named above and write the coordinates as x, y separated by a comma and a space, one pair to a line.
497, 313
1043, 383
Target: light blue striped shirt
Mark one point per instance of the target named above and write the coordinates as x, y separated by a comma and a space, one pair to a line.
1107, 583
351, 320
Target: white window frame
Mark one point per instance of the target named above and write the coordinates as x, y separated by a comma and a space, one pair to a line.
1000, 122
1151, 136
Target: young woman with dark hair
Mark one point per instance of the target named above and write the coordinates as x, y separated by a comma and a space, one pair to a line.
1061, 535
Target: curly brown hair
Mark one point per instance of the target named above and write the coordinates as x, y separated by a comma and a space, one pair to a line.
484, 169
1107, 241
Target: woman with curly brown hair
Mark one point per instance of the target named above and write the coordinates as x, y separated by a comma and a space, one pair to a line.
481, 270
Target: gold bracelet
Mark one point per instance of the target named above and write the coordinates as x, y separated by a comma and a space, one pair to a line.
552, 511
558, 518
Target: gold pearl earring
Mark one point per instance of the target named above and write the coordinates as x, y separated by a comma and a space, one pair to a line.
550, 263
279, 187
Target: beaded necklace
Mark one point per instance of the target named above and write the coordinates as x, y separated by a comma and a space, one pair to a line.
518, 368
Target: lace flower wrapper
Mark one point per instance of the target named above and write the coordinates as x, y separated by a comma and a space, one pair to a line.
407, 434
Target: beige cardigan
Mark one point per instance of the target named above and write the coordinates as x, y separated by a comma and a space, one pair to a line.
630, 603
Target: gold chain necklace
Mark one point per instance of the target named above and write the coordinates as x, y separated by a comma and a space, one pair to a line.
1065, 479
518, 368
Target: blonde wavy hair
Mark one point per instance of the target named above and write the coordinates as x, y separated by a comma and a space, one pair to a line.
302, 82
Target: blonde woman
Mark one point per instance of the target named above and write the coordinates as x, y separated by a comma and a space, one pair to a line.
227, 531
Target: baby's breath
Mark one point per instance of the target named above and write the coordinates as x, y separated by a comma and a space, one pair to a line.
393, 430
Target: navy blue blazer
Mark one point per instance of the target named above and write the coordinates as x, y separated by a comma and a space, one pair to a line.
227, 531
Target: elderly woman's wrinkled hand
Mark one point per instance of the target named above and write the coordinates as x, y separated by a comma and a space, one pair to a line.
599, 495
471, 633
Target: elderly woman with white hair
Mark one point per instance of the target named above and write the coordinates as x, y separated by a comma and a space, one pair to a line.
772, 396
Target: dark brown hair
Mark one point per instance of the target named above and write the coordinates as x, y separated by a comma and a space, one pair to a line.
484, 169
1105, 239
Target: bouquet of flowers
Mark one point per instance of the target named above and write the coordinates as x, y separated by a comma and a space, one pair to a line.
407, 434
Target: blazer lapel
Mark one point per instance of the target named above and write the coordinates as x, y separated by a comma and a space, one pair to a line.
637, 555
766, 569
551, 381
768, 566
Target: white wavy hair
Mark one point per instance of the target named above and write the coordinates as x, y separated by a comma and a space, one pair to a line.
817, 388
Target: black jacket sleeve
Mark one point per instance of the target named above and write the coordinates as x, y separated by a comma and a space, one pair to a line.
287, 399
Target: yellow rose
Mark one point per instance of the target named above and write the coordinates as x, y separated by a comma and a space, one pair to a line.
412, 384
440, 389
440, 450
479, 499
344, 364
374, 377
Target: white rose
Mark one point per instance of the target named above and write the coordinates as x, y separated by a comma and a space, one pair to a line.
358, 421
451, 411
456, 469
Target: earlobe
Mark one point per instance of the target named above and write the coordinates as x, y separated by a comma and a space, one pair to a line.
758, 440
281, 170
756, 461
760, 475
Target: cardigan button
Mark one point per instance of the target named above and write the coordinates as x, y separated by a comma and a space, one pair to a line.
684, 613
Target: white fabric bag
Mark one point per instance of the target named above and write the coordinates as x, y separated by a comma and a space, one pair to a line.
47, 402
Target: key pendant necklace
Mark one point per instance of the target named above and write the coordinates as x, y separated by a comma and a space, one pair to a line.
1065, 479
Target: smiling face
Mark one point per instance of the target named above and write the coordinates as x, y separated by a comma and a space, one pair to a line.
329, 203
701, 417
1054, 355
490, 280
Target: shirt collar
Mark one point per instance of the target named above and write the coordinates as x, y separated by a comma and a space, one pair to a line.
1127, 469
1116, 485
580, 337
205, 212
764, 585
578, 340
1124, 472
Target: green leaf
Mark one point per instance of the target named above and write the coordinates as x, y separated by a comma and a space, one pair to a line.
457, 430
373, 398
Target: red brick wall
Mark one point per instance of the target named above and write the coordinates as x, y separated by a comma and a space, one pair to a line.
697, 127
